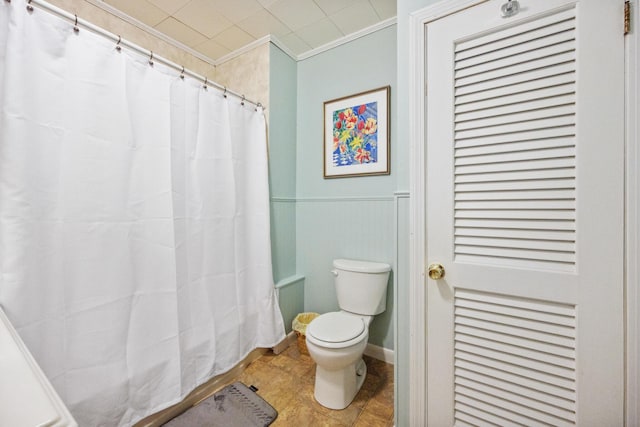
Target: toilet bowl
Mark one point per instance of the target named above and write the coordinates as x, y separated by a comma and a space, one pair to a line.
336, 341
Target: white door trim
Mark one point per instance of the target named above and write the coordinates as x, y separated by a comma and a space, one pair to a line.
632, 221
417, 215
418, 255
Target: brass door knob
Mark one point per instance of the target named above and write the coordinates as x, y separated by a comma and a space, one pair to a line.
436, 271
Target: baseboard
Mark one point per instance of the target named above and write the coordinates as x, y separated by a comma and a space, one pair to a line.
380, 353
201, 393
372, 350
286, 342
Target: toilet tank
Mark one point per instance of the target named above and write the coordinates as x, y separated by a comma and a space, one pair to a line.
361, 286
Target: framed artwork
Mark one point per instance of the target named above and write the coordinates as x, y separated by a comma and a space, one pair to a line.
356, 135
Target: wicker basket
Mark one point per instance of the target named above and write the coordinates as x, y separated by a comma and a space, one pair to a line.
299, 325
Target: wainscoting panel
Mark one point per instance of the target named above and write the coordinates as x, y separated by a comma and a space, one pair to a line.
345, 227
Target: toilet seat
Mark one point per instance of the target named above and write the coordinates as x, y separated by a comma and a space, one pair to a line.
336, 330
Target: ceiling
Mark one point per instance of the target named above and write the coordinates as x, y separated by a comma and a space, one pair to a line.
216, 28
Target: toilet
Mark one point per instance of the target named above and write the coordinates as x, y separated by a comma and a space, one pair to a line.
336, 340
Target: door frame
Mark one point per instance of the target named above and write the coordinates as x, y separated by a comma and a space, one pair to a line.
417, 215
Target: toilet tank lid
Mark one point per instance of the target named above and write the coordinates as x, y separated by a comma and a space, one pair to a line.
361, 266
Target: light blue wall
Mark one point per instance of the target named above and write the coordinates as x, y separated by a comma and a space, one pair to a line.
363, 64
352, 217
345, 217
282, 160
282, 181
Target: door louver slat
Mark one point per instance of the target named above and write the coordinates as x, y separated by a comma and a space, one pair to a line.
522, 111
514, 89
520, 413
535, 52
558, 183
533, 30
545, 94
515, 358
514, 206
514, 147
510, 144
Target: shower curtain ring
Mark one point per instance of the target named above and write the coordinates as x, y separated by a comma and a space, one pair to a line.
182, 73
205, 83
151, 58
29, 7
76, 29
242, 102
225, 92
258, 105
118, 47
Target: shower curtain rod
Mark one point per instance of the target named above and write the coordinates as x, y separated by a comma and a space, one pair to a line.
120, 42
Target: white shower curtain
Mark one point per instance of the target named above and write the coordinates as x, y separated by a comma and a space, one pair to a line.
134, 221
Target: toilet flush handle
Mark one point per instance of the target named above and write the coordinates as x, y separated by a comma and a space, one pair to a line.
334, 272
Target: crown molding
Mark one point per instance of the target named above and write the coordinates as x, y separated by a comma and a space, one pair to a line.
148, 29
244, 49
280, 45
346, 39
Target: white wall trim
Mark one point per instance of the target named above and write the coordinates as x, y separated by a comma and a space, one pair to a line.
396, 262
280, 45
277, 199
242, 50
380, 353
417, 206
289, 339
417, 314
418, 215
348, 38
288, 281
632, 222
333, 199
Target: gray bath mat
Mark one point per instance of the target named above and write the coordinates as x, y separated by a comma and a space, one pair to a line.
236, 405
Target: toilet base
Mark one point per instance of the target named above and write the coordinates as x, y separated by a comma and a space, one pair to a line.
337, 389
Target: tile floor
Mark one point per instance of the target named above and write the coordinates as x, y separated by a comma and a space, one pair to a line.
286, 381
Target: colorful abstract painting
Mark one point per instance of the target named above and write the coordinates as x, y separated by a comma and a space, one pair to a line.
355, 135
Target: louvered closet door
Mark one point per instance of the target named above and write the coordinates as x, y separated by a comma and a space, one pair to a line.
525, 212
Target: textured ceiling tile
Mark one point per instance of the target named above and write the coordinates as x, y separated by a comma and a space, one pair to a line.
141, 10
267, 3
385, 8
212, 49
236, 10
332, 6
297, 13
263, 23
233, 38
295, 43
355, 17
319, 33
178, 31
203, 17
169, 6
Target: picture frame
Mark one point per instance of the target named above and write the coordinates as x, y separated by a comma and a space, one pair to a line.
356, 135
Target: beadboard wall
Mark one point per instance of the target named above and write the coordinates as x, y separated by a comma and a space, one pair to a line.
345, 227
